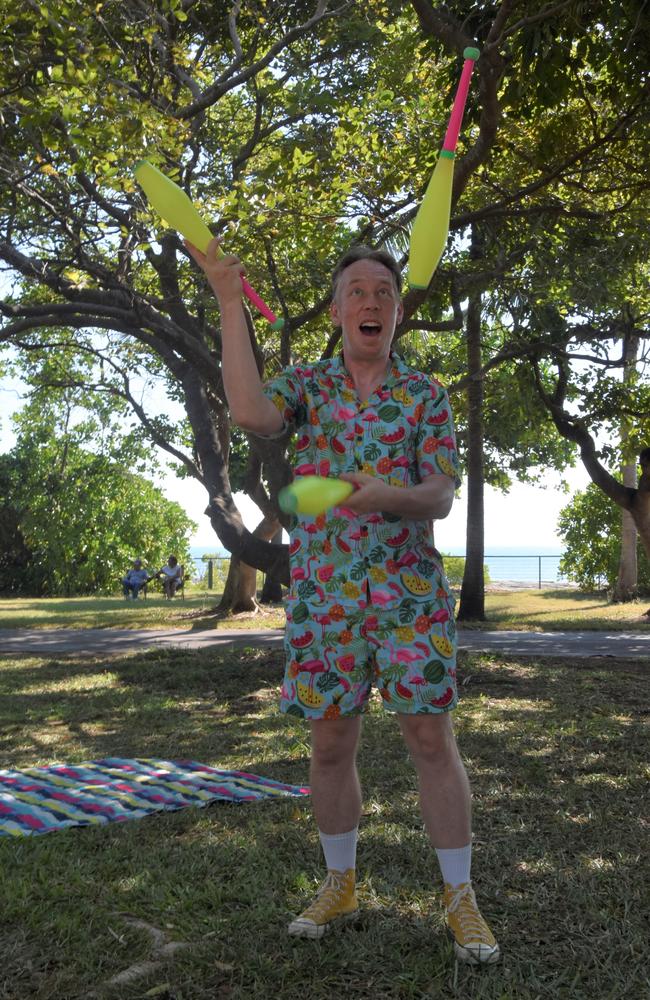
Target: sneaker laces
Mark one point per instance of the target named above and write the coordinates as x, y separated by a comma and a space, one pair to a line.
331, 892
462, 902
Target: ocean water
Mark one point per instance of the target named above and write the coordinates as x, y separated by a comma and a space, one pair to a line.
198, 551
505, 564
520, 565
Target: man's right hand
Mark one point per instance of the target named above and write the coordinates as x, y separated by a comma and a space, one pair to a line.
249, 407
223, 271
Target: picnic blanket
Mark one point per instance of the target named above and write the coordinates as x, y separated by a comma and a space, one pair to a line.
43, 799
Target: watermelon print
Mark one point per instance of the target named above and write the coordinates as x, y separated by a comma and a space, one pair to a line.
401, 434
413, 669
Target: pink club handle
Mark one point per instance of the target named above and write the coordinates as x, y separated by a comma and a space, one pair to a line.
260, 304
456, 117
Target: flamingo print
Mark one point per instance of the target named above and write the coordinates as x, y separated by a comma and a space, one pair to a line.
342, 413
302, 572
382, 598
313, 668
405, 655
322, 620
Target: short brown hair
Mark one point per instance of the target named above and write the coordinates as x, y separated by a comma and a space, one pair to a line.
361, 252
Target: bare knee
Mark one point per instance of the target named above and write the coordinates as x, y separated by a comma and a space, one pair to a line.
334, 742
430, 738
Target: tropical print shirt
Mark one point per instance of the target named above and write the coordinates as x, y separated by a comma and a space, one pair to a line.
402, 433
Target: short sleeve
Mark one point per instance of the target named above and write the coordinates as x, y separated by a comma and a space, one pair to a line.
436, 438
287, 395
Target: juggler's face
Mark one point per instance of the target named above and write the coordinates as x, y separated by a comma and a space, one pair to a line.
367, 308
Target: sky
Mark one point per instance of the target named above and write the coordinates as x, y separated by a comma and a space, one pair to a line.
524, 518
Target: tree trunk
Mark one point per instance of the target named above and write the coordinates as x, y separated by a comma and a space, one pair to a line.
636, 501
625, 588
222, 511
245, 598
231, 586
272, 589
640, 507
240, 592
472, 593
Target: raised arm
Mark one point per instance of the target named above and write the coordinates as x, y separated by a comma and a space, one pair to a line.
249, 407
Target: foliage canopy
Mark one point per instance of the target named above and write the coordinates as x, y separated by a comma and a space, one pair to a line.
298, 128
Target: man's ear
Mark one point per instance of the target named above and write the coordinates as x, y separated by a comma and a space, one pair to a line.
400, 311
334, 313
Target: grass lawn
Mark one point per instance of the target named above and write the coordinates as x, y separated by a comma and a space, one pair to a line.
545, 610
558, 610
557, 755
197, 610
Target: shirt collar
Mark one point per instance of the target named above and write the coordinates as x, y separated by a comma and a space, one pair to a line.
397, 373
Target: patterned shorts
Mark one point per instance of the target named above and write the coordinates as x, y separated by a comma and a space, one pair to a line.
336, 654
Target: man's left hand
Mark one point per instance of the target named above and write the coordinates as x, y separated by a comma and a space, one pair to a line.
371, 494
432, 498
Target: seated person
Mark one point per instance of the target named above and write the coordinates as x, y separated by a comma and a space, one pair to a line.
135, 579
171, 576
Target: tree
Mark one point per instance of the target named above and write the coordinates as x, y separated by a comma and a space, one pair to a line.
627, 578
556, 167
585, 404
221, 103
590, 527
472, 592
310, 125
74, 519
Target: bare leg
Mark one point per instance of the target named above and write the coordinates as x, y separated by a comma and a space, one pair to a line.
336, 797
446, 809
335, 788
445, 800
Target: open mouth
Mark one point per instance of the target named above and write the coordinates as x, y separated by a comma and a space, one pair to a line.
370, 329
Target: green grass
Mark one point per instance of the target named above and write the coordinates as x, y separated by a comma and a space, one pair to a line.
557, 757
115, 612
558, 610
546, 610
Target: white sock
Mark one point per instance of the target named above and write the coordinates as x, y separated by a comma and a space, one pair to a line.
455, 864
340, 849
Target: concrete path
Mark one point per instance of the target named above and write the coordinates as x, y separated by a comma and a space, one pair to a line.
109, 641
626, 645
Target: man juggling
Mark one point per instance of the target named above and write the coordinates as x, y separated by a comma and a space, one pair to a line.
369, 606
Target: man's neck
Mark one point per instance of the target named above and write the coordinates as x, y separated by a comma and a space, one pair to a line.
367, 375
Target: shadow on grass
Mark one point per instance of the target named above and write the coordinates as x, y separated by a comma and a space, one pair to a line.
556, 756
97, 612
116, 612
218, 708
590, 599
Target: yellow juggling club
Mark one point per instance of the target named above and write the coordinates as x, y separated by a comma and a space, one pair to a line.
175, 208
313, 494
431, 224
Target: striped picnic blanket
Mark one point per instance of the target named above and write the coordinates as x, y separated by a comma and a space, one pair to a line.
42, 799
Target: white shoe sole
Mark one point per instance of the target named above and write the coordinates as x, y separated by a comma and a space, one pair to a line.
308, 929
485, 956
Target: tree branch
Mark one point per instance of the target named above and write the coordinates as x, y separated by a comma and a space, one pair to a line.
227, 81
573, 429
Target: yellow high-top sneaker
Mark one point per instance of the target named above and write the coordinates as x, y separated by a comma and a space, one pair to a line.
335, 900
474, 942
